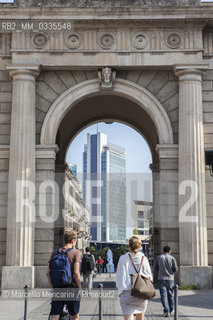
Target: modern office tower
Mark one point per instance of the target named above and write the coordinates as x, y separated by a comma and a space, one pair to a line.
104, 188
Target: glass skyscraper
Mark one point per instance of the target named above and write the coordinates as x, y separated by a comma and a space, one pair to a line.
104, 188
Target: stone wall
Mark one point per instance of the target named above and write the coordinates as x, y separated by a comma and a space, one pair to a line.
5, 116
164, 86
50, 85
5, 105
208, 140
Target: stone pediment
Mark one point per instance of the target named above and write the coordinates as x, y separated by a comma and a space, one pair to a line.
101, 3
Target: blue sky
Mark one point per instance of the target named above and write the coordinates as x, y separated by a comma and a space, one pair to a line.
138, 156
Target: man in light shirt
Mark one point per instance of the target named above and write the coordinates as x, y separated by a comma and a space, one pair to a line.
166, 266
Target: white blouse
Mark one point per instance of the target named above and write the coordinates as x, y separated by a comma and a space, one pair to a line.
125, 268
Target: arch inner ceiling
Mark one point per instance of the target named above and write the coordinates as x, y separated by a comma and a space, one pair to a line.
105, 108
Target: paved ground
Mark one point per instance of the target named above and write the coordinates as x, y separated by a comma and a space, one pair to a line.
193, 305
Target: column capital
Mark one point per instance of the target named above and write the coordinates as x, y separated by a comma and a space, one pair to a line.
191, 72
46, 151
24, 72
167, 151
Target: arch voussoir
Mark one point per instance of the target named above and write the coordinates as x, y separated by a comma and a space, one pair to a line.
124, 88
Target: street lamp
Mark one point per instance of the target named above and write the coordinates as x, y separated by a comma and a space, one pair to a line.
209, 160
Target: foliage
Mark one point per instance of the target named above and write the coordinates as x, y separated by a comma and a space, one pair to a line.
118, 252
92, 249
192, 287
135, 231
105, 251
98, 253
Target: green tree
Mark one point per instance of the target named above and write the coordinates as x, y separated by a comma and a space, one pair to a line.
135, 231
105, 251
118, 252
92, 249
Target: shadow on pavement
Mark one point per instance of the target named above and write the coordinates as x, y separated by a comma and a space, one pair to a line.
197, 299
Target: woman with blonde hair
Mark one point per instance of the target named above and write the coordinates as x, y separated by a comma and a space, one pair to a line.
127, 264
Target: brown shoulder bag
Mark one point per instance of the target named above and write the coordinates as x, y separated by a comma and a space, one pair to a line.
141, 287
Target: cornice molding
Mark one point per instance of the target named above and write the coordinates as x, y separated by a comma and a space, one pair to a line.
102, 3
167, 151
46, 151
116, 13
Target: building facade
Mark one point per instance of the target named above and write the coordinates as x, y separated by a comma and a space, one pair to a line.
142, 214
114, 192
145, 63
73, 168
104, 168
77, 213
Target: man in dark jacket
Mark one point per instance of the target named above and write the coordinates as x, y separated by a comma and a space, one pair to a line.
166, 266
87, 268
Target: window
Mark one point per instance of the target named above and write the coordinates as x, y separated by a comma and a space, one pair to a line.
143, 224
77, 197
141, 214
71, 191
94, 210
141, 232
94, 192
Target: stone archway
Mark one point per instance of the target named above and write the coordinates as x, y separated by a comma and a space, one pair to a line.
62, 114
165, 175
123, 88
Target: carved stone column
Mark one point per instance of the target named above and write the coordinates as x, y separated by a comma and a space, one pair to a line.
192, 194
20, 218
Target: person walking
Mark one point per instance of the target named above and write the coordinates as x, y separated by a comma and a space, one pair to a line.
87, 268
166, 266
104, 264
99, 264
127, 263
74, 259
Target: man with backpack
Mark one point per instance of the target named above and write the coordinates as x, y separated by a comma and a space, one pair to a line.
63, 271
87, 267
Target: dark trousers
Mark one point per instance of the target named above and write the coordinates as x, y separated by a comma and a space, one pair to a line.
99, 268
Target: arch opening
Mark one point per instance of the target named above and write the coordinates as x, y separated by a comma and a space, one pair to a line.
124, 158
106, 108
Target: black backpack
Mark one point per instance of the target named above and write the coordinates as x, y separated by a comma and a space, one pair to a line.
87, 263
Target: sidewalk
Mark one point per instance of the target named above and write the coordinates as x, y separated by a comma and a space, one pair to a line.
193, 305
